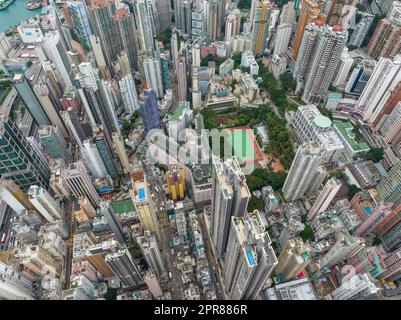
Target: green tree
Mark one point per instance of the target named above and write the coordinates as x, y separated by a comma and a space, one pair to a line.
288, 82
244, 4
353, 190
255, 203
209, 118
237, 59
111, 294
307, 233
375, 154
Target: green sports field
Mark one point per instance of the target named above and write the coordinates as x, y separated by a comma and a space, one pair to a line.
244, 145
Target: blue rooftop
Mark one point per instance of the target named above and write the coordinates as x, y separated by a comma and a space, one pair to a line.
368, 210
142, 195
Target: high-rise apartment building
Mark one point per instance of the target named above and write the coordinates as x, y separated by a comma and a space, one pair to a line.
182, 79
385, 40
153, 75
129, 94
346, 247
361, 30
215, 18
143, 202
78, 11
249, 259
311, 125
233, 24
18, 161
260, 26
151, 252
13, 285
175, 179
149, 109
35, 108
359, 285
385, 77
293, 258
325, 197
230, 199
306, 162
143, 18
318, 57
282, 38
124, 268
183, 14
77, 178
389, 188
112, 220
310, 12
45, 204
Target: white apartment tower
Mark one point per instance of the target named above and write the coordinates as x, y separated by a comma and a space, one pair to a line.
319, 54
303, 168
45, 204
325, 197
249, 259
385, 77
153, 75
230, 199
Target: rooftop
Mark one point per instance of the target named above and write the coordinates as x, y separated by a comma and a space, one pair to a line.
322, 121
345, 129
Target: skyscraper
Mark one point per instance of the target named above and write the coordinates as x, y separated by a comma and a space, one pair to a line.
215, 16
318, 58
129, 94
102, 16
303, 168
13, 285
142, 200
391, 129
94, 160
182, 79
389, 188
293, 258
164, 10
119, 148
310, 12
359, 285
45, 204
25, 91
149, 109
80, 19
183, 14
108, 212
260, 26
176, 183
51, 48
80, 183
143, 19
385, 40
18, 161
325, 197
124, 268
54, 144
230, 199
233, 24
151, 252
249, 259
385, 77
282, 39
361, 30
174, 50
153, 75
